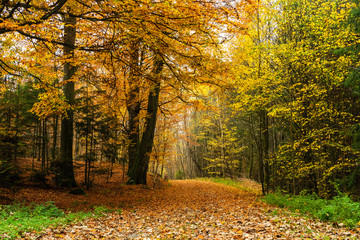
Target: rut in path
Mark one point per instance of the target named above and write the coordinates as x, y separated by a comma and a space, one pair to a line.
190, 209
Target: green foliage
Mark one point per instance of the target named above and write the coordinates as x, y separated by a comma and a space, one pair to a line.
9, 176
217, 134
340, 209
15, 127
225, 181
179, 175
352, 182
102, 210
296, 73
15, 119
17, 219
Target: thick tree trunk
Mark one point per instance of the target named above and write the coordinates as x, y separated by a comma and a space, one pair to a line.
139, 170
65, 172
133, 104
133, 132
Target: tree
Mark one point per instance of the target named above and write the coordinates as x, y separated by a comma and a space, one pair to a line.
138, 172
16, 16
137, 49
304, 110
16, 126
87, 129
180, 40
64, 175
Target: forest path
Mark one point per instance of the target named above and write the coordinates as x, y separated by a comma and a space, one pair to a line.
190, 209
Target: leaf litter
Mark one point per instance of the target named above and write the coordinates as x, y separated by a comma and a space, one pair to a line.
181, 209
191, 209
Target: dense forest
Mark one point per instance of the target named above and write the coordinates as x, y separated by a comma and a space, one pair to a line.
267, 90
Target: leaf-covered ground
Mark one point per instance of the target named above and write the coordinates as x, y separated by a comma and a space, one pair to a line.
190, 209
183, 209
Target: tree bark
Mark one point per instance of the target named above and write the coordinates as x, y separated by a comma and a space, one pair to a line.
139, 170
264, 151
43, 146
65, 172
55, 135
133, 104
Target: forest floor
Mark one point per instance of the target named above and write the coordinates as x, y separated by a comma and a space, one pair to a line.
181, 209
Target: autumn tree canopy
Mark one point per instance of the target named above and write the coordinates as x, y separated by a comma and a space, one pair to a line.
266, 90
130, 53
292, 113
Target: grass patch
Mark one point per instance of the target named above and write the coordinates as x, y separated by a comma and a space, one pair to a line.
17, 219
229, 182
340, 209
225, 181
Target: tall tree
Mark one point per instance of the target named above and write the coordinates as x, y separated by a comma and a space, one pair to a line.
64, 175
186, 41
138, 172
305, 111
133, 103
20, 16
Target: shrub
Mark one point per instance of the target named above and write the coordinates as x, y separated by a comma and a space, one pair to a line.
9, 175
340, 209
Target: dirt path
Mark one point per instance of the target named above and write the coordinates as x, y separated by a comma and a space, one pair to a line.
192, 209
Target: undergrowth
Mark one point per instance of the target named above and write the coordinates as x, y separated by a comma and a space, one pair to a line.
340, 209
18, 218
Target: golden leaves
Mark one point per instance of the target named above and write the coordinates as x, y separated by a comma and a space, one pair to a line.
50, 103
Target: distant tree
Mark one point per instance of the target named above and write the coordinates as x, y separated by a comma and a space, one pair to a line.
16, 126
87, 128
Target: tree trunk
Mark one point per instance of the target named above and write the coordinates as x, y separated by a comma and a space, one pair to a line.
86, 160
221, 126
55, 135
133, 104
264, 142
34, 149
261, 157
38, 155
251, 162
65, 172
43, 146
139, 170
266, 150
